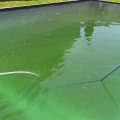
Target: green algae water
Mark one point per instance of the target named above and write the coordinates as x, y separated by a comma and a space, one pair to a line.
45, 53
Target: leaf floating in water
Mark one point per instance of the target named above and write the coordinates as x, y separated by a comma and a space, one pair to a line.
19, 72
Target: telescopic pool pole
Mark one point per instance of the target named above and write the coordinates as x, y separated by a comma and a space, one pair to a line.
109, 73
101, 79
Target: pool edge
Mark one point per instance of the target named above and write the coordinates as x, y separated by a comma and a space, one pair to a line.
103, 1
40, 5
52, 3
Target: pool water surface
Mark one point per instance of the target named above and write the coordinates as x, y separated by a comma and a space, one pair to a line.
49, 51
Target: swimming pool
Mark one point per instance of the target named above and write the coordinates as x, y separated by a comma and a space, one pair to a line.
45, 51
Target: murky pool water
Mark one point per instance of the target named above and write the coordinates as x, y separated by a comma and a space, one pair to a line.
45, 55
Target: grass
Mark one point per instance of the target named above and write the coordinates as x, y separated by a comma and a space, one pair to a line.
20, 3
113, 0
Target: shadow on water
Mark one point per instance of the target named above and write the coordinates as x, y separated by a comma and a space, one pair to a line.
110, 95
15, 88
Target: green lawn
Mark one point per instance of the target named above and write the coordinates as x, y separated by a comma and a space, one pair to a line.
114, 0
20, 3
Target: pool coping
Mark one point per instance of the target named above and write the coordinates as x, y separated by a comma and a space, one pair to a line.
50, 4
40, 5
103, 1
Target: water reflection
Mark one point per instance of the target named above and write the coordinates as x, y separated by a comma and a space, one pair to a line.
89, 29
